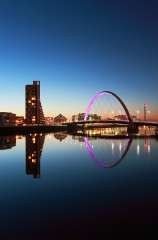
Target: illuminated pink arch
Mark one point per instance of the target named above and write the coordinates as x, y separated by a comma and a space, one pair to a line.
99, 94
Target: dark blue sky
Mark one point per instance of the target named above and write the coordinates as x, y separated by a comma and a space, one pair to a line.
77, 48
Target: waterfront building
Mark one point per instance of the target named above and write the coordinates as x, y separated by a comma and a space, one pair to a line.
60, 119
80, 117
7, 119
34, 111
124, 117
20, 120
49, 120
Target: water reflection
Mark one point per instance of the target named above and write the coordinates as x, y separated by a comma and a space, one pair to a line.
34, 146
119, 149
7, 142
123, 150
106, 152
60, 136
147, 145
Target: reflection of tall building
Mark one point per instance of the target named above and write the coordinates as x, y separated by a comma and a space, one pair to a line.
7, 142
34, 146
34, 112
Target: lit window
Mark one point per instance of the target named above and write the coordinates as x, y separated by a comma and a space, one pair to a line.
33, 160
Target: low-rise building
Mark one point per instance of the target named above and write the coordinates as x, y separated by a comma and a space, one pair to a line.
60, 119
80, 117
7, 119
49, 120
20, 120
121, 117
124, 117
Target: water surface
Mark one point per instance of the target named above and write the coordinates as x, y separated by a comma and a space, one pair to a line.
56, 183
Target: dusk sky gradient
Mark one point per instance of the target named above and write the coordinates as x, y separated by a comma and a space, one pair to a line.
77, 48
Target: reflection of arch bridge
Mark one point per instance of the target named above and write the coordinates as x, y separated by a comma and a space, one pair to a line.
114, 163
132, 126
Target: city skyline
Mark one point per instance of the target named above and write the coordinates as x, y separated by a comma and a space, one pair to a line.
78, 49
142, 113
78, 117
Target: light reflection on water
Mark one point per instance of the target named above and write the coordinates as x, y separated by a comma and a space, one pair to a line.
52, 178
118, 131
106, 152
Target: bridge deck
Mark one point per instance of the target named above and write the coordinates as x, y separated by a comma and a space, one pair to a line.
138, 123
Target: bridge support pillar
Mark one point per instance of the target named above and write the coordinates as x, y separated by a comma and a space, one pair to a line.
133, 129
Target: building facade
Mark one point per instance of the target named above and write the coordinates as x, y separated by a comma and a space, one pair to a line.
124, 117
49, 120
60, 119
7, 119
80, 117
34, 111
19, 120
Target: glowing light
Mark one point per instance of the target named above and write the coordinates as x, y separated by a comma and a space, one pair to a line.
112, 147
138, 149
120, 147
149, 149
33, 160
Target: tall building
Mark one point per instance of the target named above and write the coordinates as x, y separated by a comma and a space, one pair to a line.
34, 112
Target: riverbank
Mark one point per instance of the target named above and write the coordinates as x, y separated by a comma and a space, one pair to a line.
31, 129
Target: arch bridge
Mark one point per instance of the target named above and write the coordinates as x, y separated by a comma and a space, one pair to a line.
132, 126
